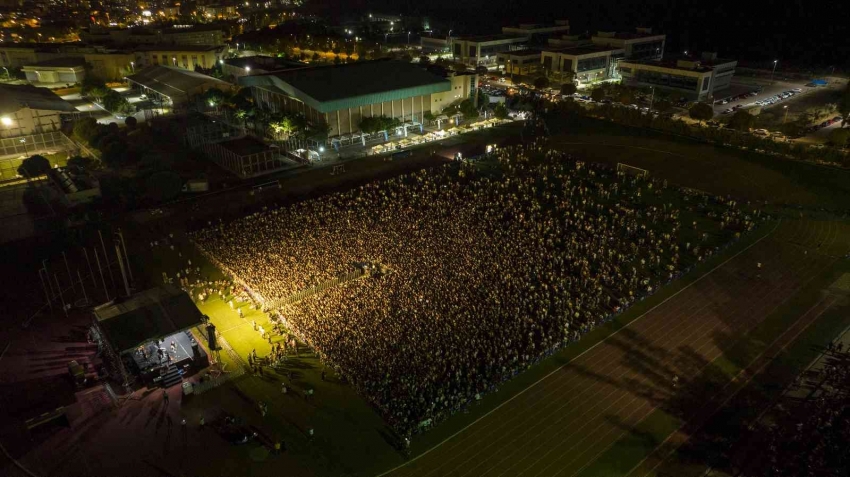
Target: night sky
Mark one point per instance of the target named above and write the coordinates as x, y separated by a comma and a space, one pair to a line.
795, 31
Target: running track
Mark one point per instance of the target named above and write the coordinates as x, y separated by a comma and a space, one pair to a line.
564, 422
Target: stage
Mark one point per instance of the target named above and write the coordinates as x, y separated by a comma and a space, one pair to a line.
162, 361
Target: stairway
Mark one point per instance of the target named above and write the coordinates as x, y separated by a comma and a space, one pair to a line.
173, 375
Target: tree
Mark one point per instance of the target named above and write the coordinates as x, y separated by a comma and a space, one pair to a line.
86, 129
316, 56
568, 89
701, 112
598, 94
425, 60
429, 116
626, 96
662, 106
843, 105
741, 121
131, 122
541, 82
82, 162
483, 99
337, 60
501, 111
840, 137
468, 109
163, 186
34, 166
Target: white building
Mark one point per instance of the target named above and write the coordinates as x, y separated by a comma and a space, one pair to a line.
27, 110
698, 79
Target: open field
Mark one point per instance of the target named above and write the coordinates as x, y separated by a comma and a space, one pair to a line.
719, 170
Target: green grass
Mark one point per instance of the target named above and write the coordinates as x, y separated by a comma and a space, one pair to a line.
719, 170
651, 432
9, 167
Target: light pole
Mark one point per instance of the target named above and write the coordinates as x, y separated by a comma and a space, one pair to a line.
408, 38
133, 66
773, 71
651, 98
786, 113
24, 142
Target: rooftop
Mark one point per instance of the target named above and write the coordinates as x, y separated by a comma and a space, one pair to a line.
528, 52
488, 38
173, 82
13, 98
151, 314
163, 47
328, 88
268, 63
583, 50
669, 64
620, 35
61, 63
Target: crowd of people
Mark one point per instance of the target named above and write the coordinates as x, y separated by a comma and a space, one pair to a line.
484, 269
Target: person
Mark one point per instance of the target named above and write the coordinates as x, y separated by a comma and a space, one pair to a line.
165, 396
323, 375
283, 388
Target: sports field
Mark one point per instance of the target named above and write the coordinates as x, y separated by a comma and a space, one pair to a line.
563, 424
720, 170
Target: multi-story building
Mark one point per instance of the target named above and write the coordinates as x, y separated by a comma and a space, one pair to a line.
235, 68
111, 65
27, 110
177, 35
187, 57
694, 78
641, 45
463, 86
341, 96
521, 62
484, 50
583, 64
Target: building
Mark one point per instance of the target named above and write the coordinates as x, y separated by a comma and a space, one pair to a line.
521, 62
695, 78
187, 57
640, 45
168, 85
56, 72
176, 35
463, 86
538, 34
583, 64
111, 65
484, 50
340, 96
434, 45
235, 68
26, 110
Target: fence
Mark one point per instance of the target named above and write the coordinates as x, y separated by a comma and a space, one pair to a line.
29, 145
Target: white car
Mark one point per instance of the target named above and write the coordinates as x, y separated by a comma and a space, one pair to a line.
797, 90
761, 132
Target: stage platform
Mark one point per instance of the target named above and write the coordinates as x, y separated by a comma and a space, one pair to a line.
159, 362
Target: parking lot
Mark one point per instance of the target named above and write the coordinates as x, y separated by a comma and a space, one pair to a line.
740, 95
102, 115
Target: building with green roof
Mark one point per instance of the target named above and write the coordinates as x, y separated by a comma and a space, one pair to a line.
342, 95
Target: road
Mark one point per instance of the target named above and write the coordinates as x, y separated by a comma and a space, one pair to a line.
103, 116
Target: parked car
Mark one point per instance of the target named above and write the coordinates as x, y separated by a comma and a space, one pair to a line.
797, 90
761, 132
727, 111
837, 119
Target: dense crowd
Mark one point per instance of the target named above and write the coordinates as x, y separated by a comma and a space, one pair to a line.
487, 269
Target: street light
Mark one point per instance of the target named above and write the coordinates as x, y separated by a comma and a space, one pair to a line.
651, 99
786, 113
133, 66
408, 38
247, 69
24, 142
774, 70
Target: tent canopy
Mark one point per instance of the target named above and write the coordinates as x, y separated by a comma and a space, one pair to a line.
145, 316
819, 82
